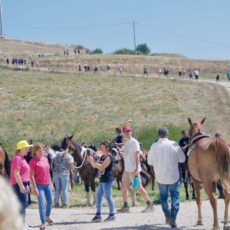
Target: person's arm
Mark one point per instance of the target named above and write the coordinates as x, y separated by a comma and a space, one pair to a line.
19, 181
179, 152
71, 167
102, 166
32, 179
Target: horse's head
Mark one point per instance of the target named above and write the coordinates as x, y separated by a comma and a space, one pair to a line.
195, 127
66, 143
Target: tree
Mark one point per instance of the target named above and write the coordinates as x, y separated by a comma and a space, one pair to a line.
97, 51
143, 49
124, 51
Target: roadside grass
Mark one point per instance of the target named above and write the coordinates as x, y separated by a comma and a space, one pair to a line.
45, 107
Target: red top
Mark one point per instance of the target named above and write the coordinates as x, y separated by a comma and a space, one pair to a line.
18, 162
41, 170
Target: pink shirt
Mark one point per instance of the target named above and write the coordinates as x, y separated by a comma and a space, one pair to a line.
18, 162
41, 170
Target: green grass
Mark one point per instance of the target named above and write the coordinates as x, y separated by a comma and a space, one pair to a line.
45, 107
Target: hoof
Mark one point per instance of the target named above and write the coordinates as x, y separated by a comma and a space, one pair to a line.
199, 222
216, 227
226, 227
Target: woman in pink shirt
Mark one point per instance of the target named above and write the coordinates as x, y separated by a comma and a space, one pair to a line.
20, 174
41, 181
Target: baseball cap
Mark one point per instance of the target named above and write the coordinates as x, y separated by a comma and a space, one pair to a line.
23, 144
126, 128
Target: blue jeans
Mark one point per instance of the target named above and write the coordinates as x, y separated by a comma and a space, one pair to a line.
174, 190
45, 201
105, 189
22, 197
61, 185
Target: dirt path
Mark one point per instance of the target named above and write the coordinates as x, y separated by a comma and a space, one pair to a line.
80, 218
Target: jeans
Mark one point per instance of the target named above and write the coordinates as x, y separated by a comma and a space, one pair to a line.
22, 197
105, 189
174, 190
61, 185
45, 201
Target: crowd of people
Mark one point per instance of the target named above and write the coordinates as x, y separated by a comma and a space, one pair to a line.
34, 176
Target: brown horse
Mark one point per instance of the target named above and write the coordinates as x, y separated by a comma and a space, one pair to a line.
208, 162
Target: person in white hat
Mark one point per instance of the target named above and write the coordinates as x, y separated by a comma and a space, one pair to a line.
20, 174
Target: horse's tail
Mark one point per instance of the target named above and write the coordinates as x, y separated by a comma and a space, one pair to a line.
222, 152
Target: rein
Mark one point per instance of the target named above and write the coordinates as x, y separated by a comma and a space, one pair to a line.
78, 167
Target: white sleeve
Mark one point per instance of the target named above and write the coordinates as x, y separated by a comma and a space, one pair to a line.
71, 159
150, 158
179, 152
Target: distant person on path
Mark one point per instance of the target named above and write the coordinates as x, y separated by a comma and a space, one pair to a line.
190, 75
41, 181
196, 74
146, 71
132, 169
105, 167
228, 75
20, 175
63, 164
217, 78
164, 155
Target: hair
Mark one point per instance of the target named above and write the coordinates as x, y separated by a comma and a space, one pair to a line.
118, 129
10, 217
183, 132
36, 147
106, 144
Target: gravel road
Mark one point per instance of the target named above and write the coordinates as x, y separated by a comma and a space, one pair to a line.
80, 218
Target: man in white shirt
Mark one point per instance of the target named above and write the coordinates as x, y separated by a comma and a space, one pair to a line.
132, 169
164, 156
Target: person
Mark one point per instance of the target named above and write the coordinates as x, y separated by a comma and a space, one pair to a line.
228, 75
9, 208
119, 140
105, 167
196, 74
41, 181
217, 78
20, 175
63, 163
145, 71
190, 75
184, 144
2, 162
132, 154
164, 155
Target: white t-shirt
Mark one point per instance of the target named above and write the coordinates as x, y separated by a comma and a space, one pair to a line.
130, 148
164, 156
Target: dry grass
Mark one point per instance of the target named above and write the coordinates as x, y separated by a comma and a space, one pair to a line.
45, 107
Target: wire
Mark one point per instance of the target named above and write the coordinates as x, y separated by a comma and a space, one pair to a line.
184, 36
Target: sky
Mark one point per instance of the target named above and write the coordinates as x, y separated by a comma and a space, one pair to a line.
193, 28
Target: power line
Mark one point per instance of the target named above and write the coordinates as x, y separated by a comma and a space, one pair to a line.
184, 36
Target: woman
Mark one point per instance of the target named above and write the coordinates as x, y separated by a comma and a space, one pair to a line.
20, 174
41, 181
105, 166
63, 164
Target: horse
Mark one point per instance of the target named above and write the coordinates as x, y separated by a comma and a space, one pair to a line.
4, 163
86, 171
208, 162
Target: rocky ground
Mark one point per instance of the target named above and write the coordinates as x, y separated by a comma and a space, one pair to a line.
80, 218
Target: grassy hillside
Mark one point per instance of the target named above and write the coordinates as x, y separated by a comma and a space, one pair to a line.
44, 106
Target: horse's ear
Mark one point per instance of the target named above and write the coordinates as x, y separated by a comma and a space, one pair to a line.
71, 137
202, 121
190, 121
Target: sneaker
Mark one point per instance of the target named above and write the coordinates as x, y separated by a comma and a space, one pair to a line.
96, 219
148, 209
65, 206
110, 218
123, 210
56, 205
173, 223
49, 221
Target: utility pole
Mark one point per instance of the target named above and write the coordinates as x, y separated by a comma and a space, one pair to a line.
1, 24
134, 37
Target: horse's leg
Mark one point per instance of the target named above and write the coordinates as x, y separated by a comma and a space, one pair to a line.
118, 183
226, 201
186, 189
208, 187
193, 192
87, 193
198, 201
93, 189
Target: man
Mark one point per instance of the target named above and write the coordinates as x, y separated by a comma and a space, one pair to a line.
132, 169
119, 140
165, 155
